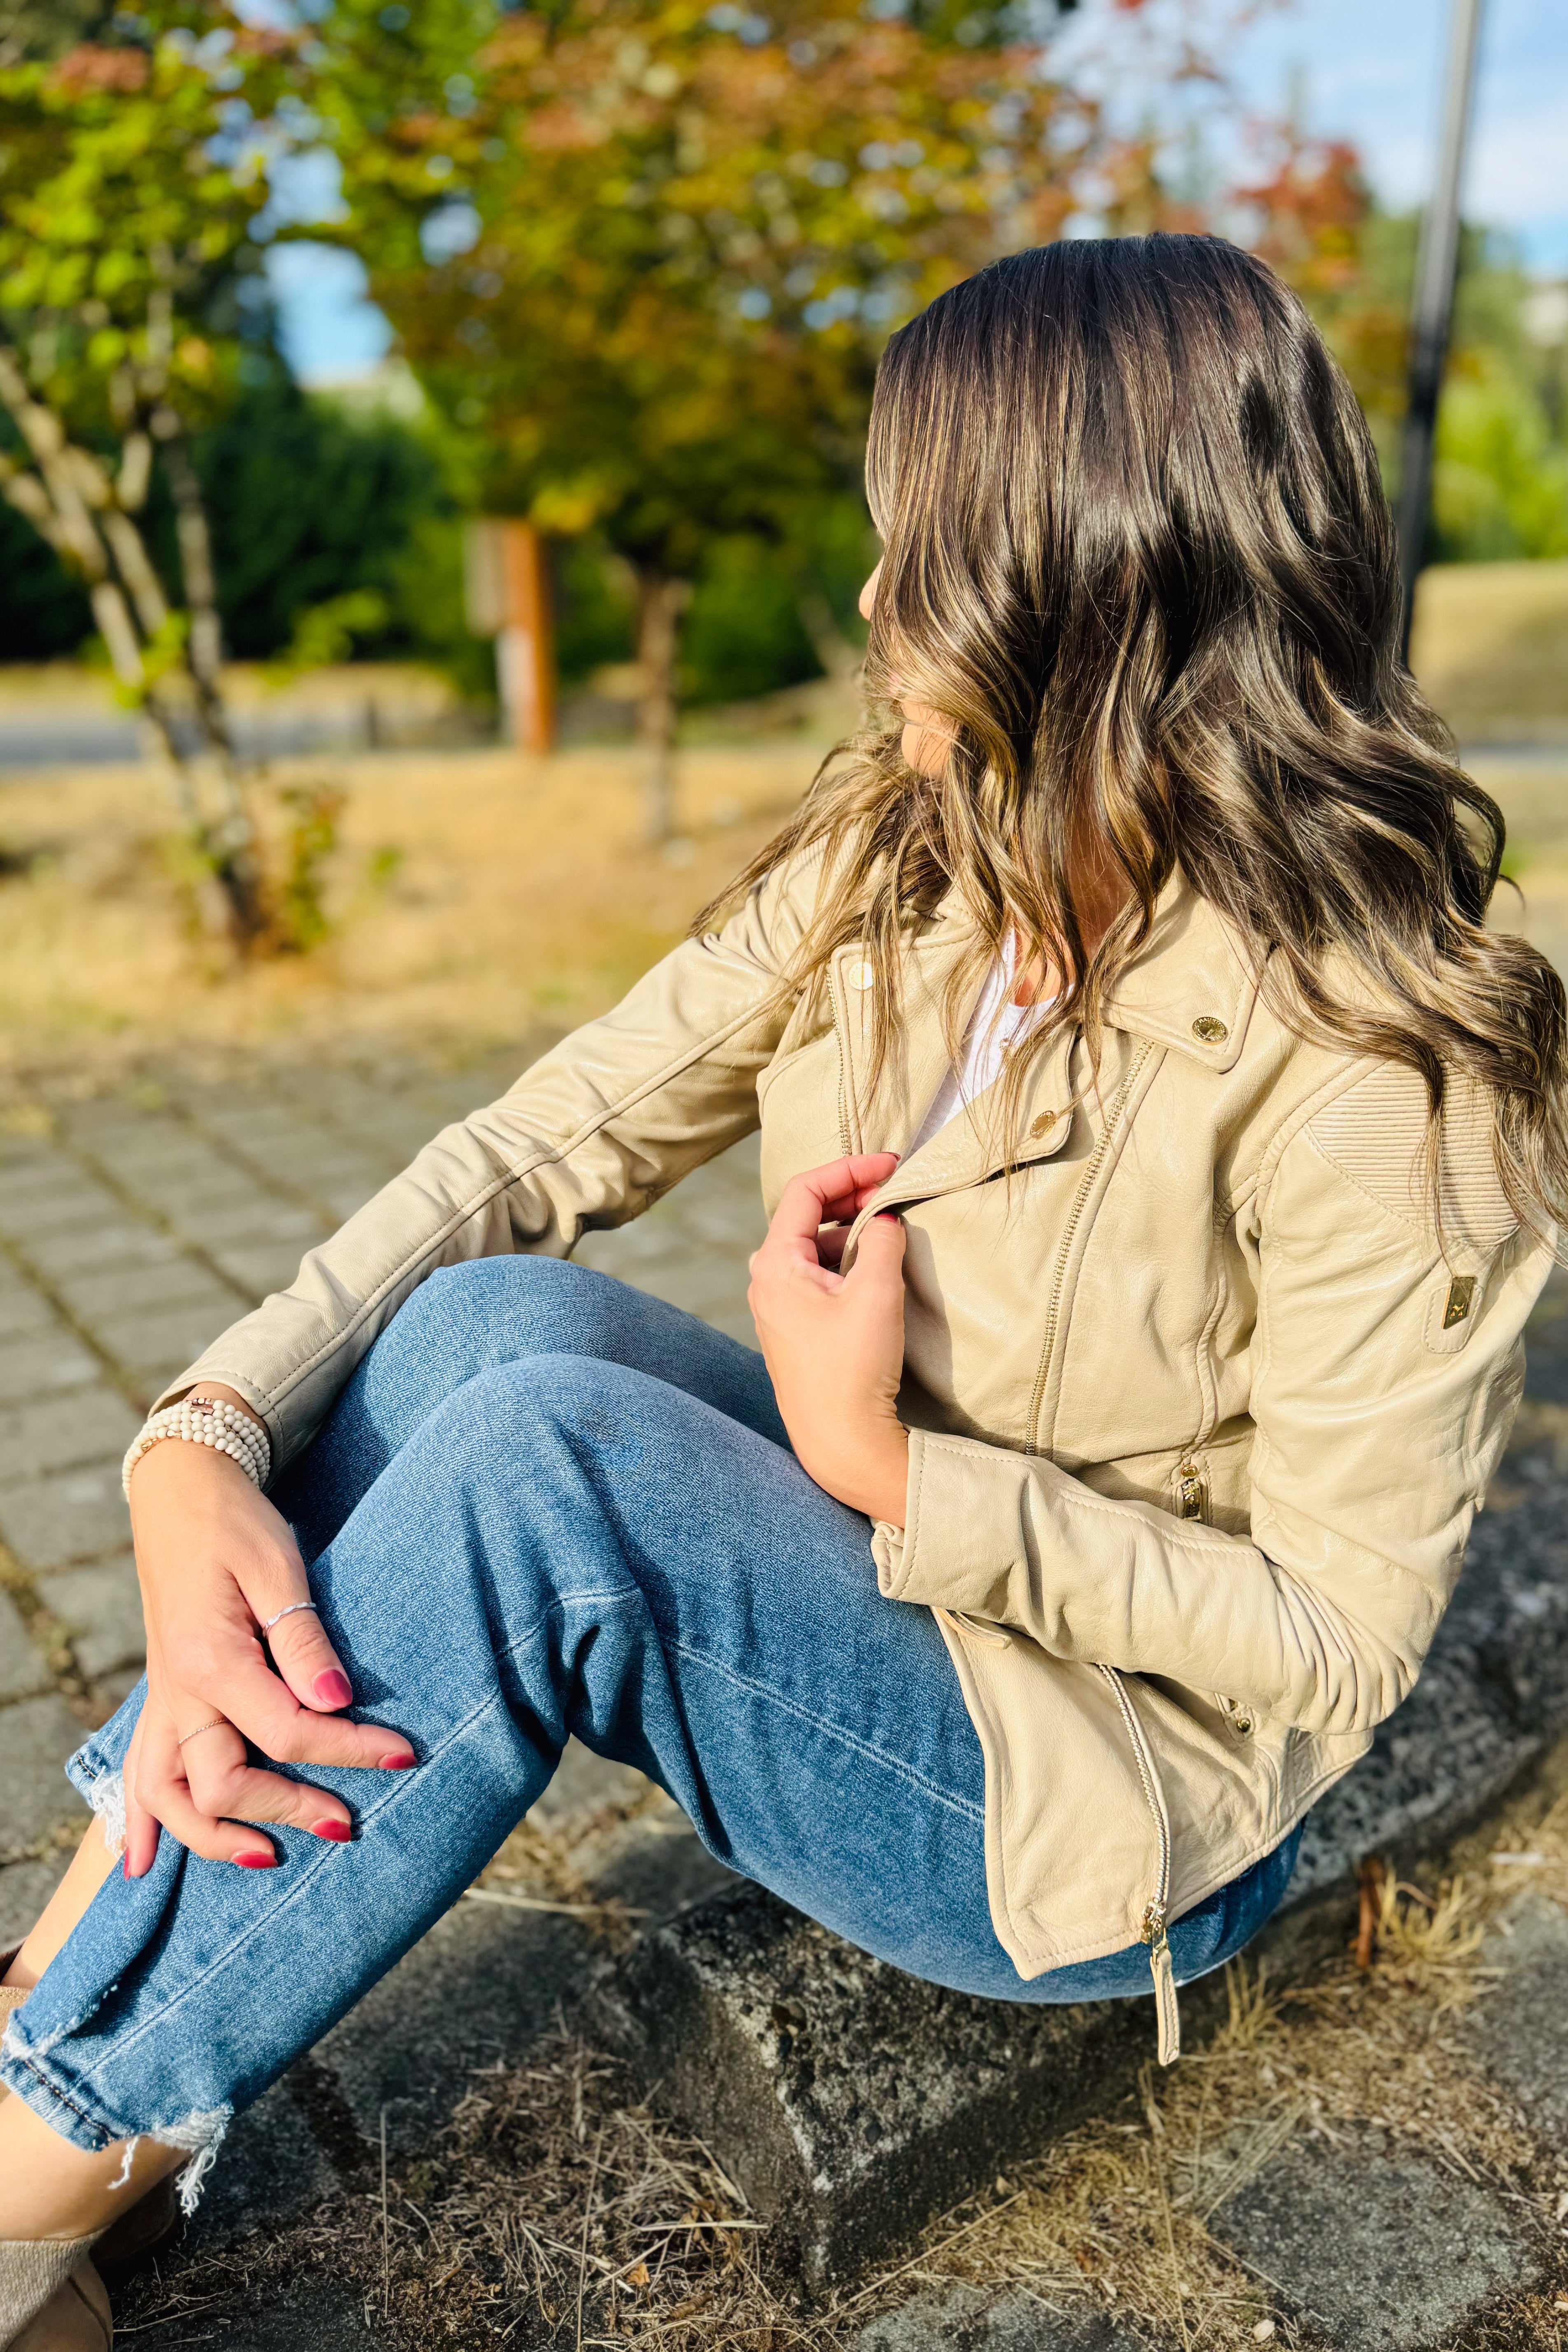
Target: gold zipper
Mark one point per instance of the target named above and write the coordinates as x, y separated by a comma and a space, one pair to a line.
1152, 1931
1074, 1218
841, 1030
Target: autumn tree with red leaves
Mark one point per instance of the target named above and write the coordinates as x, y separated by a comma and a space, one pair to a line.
646, 255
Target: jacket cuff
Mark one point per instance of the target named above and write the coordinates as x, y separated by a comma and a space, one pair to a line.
965, 1511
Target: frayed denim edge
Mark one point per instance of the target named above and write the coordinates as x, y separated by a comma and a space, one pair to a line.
102, 1786
199, 2136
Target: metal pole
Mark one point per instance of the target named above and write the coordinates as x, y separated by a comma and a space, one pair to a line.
1435, 269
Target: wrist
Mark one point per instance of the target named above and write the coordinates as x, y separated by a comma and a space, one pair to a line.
219, 1393
872, 1476
204, 1420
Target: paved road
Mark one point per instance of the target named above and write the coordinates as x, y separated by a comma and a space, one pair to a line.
131, 1230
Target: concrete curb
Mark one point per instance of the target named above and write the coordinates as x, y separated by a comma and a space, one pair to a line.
852, 2103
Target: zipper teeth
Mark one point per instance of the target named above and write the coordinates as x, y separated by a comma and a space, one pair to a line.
1074, 1217
1153, 1792
840, 1026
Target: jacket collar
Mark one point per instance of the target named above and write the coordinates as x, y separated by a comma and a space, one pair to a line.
1191, 986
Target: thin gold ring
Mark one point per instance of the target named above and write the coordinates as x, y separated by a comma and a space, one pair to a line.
196, 1734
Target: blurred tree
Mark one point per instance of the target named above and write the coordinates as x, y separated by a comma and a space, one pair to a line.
309, 503
1500, 481
47, 29
131, 173
647, 256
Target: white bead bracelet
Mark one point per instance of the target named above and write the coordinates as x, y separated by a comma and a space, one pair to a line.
206, 1421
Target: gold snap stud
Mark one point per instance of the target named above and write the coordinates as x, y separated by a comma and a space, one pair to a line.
860, 975
1043, 1125
1212, 1030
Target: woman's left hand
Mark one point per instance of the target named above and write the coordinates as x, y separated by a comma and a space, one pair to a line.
835, 1342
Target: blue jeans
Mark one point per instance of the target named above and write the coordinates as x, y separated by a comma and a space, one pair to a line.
549, 1505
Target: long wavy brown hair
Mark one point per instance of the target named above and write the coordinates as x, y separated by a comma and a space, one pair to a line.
1137, 554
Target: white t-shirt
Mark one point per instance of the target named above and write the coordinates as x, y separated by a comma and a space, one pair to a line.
996, 1024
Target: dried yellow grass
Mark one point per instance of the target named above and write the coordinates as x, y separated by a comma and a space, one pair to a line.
473, 895
559, 2208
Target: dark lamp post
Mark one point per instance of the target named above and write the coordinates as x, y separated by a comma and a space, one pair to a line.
1435, 267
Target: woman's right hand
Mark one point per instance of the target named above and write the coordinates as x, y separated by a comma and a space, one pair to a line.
217, 1561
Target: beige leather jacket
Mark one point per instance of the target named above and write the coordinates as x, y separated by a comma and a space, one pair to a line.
1201, 1405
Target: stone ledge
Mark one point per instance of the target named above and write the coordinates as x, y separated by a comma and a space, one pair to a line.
852, 2103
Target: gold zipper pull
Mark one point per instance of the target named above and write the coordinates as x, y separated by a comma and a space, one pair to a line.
1166, 2010
1192, 1491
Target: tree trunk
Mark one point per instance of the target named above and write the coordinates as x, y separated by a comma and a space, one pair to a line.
661, 604
89, 519
229, 840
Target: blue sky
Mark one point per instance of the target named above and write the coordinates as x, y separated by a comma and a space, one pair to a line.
1369, 71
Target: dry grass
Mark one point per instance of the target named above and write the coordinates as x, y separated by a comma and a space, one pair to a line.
473, 894
1491, 648
476, 893
560, 2209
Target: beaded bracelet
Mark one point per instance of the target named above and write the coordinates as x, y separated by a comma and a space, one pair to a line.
206, 1421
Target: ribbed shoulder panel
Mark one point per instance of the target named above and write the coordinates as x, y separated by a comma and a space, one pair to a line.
1376, 1133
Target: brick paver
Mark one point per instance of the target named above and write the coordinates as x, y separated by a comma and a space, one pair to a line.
130, 1235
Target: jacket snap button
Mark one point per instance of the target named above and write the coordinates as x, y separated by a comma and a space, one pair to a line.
1043, 1125
1211, 1032
860, 975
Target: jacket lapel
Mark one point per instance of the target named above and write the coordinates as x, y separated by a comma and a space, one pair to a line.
1189, 987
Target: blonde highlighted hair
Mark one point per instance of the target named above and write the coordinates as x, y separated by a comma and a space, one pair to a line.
1138, 556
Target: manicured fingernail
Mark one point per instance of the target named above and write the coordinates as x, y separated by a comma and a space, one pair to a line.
125, 1865
332, 1688
339, 1832
256, 1860
402, 1761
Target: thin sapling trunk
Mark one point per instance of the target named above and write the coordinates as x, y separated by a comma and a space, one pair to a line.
661, 603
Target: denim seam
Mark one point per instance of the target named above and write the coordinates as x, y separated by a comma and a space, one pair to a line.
297, 1893
761, 1690
35, 2068
834, 1731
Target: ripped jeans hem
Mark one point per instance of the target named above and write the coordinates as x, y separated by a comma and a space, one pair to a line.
198, 2137
100, 1785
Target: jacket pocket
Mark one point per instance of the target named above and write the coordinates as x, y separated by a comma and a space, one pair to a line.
973, 1629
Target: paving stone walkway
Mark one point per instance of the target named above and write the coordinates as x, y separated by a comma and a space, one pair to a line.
133, 1227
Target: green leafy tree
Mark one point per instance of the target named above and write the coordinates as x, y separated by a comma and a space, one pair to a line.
647, 256
1500, 481
133, 170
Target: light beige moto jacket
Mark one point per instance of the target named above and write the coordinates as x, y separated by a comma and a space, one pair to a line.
1201, 1404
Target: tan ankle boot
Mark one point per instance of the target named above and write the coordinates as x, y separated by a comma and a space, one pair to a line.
74, 2319
51, 2299
148, 2226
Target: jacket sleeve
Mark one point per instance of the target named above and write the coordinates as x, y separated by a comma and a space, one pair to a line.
590, 1135
1377, 1427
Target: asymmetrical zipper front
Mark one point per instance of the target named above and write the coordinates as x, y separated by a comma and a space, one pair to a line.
1153, 1930
1069, 1230
1155, 1916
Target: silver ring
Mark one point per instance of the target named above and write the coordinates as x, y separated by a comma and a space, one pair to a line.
287, 1613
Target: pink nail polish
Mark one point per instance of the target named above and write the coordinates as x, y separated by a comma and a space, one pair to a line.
339, 1832
400, 1762
125, 1866
256, 1860
332, 1688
